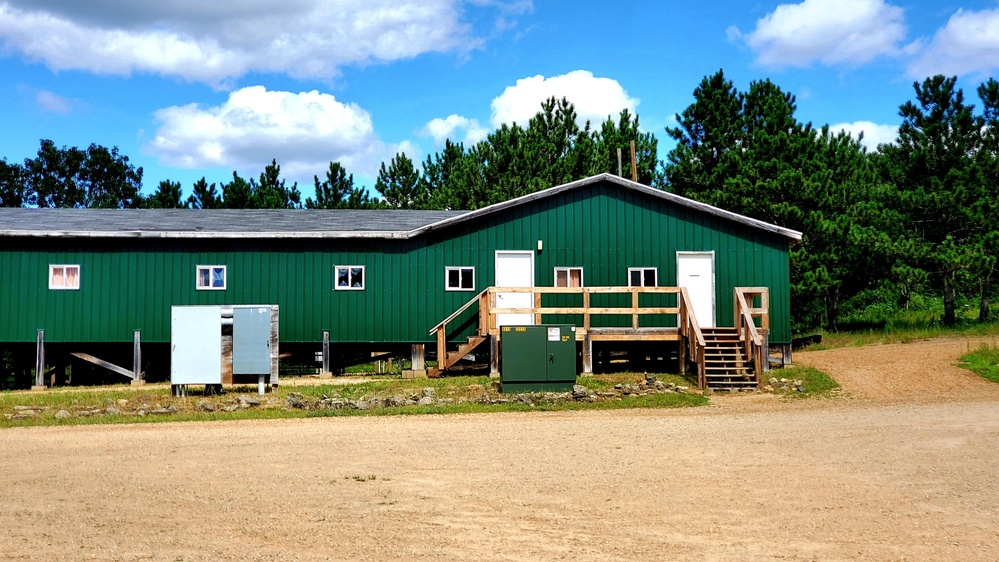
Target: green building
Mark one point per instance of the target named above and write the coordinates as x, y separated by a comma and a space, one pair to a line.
376, 279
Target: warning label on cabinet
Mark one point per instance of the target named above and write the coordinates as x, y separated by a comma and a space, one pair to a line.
554, 334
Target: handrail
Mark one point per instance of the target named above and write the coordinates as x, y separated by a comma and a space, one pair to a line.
455, 314
696, 344
751, 335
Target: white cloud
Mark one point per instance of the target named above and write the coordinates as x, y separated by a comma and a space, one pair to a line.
850, 32
594, 98
303, 131
53, 103
450, 127
217, 41
968, 44
874, 133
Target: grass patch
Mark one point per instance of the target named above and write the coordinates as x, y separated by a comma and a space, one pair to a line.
984, 361
816, 384
457, 395
901, 334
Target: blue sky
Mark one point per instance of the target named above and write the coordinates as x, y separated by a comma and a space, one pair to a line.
192, 88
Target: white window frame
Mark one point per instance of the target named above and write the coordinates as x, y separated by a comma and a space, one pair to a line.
568, 276
64, 267
655, 271
211, 273
460, 269
336, 277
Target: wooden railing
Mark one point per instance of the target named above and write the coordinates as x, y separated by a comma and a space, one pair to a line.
441, 328
587, 311
753, 337
687, 329
692, 342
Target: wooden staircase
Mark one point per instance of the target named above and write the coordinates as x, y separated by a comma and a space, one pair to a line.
452, 357
725, 362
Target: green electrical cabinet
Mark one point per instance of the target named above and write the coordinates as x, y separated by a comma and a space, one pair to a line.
538, 358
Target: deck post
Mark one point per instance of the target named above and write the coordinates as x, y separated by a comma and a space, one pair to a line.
418, 362
681, 355
39, 362
785, 354
587, 355
137, 377
325, 372
494, 371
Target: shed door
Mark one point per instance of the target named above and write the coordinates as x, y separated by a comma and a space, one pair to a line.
251, 341
696, 272
514, 269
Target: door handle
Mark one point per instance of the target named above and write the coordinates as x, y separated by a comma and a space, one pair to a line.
551, 358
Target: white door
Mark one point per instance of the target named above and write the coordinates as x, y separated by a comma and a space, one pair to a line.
696, 272
514, 269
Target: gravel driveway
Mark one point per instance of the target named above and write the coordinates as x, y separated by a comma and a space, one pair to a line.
903, 466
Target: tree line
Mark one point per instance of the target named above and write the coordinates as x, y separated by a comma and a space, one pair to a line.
915, 217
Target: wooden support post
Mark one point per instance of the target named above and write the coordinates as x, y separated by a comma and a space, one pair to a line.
40, 362
587, 355
494, 358
634, 307
418, 357
619, 172
326, 351
275, 352
681, 355
137, 376
766, 351
537, 304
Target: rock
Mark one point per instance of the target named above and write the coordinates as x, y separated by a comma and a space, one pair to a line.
248, 401
395, 401
579, 392
62, 414
204, 406
141, 413
83, 413
231, 407
618, 386
773, 381
650, 379
122, 402
426, 401
708, 391
163, 411
294, 399
428, 393
475, 388
682, 389
113, 411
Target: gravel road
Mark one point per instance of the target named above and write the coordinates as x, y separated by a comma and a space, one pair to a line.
902, 466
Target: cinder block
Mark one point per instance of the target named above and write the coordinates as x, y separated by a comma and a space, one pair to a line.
414, 374
39, 387
326, 375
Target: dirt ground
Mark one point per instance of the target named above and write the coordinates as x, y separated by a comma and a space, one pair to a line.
903, 465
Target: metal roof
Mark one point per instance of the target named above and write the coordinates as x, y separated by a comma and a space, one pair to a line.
301, 223
216, 223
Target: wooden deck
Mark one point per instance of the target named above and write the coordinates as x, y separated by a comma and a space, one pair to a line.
747, 347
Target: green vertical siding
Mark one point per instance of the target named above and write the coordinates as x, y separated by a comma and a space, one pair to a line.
129, 284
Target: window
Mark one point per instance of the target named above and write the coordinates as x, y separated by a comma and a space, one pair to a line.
64, 277
642, 277
460, 278
568, 276
211, 278
349, 278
